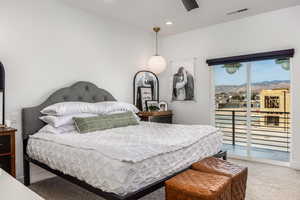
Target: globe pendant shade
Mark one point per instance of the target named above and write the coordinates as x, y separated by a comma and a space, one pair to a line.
286, 65
231, 70
157, 64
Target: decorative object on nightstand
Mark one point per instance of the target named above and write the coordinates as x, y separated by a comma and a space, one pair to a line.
163, 106
7, 150
145, 87
152, 105
145, 94
157, 116
2, 91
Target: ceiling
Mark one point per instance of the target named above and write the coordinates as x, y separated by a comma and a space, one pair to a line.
148, 13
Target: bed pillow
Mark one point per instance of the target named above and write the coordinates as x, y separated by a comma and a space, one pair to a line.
57, 121
103, 122
116, 106
71, 108
60, 130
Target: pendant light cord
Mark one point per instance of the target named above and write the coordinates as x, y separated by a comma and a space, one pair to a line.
156, 49
156, 30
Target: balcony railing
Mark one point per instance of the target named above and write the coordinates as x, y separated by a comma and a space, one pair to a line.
268, 130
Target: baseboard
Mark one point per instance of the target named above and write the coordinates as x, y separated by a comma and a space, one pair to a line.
295, 165
36, 174
263, 161
20, 179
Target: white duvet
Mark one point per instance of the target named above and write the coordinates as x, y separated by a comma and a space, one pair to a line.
123, 160
134, 143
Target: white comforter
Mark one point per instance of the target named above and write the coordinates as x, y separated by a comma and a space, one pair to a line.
124, 160
134, 143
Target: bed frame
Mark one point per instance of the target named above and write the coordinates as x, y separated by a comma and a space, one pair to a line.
85, 92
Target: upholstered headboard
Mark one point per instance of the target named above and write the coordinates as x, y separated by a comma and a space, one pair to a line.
80, 91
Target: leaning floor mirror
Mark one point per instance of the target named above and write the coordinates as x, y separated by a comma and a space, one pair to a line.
145, 88
2, 95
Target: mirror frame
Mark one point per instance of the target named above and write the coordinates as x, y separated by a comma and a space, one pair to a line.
134, 79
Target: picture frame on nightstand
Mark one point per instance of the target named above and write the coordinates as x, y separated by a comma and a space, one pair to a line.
152, 105
163, 106
145, 95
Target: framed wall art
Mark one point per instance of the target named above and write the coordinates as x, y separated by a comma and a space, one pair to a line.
183, 80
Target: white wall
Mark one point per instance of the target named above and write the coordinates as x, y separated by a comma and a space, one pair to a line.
266, 32
46, 45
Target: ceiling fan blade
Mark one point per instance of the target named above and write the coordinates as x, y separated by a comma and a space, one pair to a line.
190, 4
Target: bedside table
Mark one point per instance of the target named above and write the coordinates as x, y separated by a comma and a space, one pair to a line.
157, 116
7, 150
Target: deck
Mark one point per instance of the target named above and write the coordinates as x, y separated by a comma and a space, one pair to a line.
270, 136
258, 153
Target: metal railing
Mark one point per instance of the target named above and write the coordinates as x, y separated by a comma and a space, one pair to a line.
268, 130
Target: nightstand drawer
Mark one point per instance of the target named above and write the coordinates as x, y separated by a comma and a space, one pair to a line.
5, 163
4, 144
162, 119
157, 116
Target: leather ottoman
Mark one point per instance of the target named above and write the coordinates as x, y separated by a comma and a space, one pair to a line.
237, 173
194, 185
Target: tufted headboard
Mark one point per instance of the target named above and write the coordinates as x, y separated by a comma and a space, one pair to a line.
80, 91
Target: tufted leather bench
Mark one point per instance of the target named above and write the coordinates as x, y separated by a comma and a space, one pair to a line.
238, 174
195, 185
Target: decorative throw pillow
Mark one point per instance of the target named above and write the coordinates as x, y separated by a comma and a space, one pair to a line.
103, 122
117, 112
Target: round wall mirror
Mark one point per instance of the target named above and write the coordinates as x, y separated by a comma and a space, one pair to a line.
145, 88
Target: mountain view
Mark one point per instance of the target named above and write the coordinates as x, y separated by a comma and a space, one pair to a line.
256, 87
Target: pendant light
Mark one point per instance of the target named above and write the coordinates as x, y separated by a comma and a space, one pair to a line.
157, 63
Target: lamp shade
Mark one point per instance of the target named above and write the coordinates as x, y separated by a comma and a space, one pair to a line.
157, 64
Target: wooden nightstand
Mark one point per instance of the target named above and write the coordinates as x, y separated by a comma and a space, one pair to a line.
157, 116
7, 150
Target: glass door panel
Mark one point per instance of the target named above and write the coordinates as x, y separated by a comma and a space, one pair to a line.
270, 110
230, 85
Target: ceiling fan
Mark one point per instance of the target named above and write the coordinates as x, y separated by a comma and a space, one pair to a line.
190, 4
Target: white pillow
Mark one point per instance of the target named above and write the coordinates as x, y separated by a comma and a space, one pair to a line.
68, 108
115, 106
60, 130
57, 121
71, 108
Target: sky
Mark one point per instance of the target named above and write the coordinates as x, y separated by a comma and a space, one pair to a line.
266, 70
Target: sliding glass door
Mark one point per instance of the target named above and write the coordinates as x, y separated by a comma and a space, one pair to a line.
231, 105
252, 108
270, 111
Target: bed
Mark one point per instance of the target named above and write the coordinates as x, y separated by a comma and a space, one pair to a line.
113, 177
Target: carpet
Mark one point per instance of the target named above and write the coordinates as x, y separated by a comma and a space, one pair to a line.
265, 182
